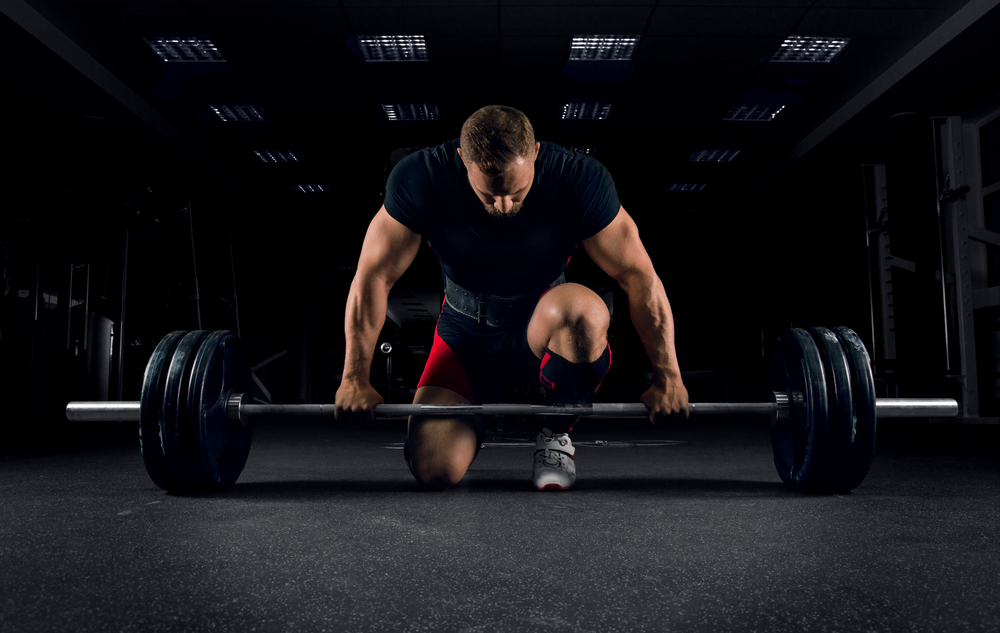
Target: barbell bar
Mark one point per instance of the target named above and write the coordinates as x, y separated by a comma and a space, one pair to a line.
196, 410
239, 411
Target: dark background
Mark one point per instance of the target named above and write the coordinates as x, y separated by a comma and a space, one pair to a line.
100, 137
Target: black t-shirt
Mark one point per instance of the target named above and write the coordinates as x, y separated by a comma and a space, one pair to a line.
572, 198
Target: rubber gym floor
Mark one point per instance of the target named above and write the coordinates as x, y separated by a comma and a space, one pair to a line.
327, 531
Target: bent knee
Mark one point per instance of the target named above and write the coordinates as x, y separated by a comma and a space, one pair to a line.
582, 309
441, 450
438, 474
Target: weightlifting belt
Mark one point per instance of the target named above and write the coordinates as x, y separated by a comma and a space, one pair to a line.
493, 310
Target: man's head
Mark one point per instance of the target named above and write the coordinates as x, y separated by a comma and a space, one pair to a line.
498, 148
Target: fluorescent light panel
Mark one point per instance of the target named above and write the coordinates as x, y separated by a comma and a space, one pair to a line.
184, 49
308, 188
412, 111
278, 156
239, 112
714, 155
393, 48
754, 112
596, 110
686, 187
810, 50
602, 47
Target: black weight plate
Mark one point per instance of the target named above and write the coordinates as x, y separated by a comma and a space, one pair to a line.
799, 443
841, 417
863, 389
174, 407
218, 447
151, 407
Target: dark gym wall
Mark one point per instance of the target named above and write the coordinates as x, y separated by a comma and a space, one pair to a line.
792, 254
740, 262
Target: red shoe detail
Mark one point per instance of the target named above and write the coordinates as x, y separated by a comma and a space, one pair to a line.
552, 486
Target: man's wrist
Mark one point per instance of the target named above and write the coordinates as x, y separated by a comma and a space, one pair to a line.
667, 375
356, 377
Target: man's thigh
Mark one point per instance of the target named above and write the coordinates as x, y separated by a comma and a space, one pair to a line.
472, 361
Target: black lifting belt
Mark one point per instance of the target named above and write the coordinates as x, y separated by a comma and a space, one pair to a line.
493, 310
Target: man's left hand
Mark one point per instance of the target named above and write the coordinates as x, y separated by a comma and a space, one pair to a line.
667, 402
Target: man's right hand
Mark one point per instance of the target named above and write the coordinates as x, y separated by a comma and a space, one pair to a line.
356, 402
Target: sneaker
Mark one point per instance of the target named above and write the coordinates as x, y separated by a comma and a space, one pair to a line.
555, 464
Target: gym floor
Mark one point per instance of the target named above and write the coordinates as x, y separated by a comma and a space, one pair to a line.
326, 531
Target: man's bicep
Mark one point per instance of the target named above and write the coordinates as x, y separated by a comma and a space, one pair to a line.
617, 249
389, 248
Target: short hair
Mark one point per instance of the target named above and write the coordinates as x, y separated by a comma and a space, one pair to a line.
494, 136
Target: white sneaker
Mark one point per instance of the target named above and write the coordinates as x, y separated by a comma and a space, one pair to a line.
555, 464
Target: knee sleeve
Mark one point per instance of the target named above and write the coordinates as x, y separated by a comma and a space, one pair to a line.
570, 383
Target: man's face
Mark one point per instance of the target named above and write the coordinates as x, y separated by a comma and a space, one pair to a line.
503, 196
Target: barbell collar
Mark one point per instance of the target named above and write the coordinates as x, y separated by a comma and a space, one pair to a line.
781, 401
235, 408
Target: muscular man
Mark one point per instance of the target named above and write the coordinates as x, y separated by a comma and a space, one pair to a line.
504, 214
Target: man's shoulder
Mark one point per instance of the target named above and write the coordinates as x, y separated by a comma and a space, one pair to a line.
568, 160
427, 159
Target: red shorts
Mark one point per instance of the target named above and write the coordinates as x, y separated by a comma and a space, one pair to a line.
476, 360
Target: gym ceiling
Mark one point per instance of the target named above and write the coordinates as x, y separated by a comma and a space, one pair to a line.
93, 115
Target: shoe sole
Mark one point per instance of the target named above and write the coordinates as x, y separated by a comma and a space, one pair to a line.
553, 487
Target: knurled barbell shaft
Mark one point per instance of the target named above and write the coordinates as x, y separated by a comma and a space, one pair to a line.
885, 408
599, 410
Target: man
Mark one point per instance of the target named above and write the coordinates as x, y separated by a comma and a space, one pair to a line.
504, 214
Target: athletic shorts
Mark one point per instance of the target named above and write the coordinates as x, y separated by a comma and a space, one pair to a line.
479, 361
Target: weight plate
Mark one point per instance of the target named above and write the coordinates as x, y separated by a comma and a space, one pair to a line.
840, 415
799, 443
173, 407
863, 389
218, 448
150, 409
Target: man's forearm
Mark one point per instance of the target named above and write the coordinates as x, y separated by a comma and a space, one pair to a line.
653, 321
363, 320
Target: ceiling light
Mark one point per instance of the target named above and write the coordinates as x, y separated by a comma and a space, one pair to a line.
754, 112
602, 47
278, 156
234, 112
184, 49
305, 188
714, 155
810, 50
393, 48
593, 109
412, 111
686, 187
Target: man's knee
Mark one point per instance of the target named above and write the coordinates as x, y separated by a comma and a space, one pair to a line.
441, 451
437, 476
585, 314
583, 326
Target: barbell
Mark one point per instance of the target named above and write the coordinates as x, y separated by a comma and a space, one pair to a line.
195, 413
